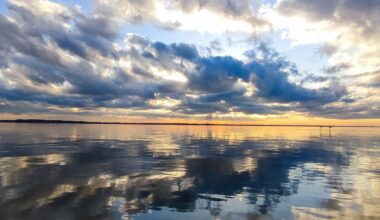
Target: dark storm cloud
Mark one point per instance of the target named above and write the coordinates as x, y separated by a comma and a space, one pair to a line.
76, 53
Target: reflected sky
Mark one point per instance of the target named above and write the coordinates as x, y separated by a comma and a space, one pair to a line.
188, 172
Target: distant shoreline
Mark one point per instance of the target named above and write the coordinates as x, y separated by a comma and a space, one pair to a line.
43, 121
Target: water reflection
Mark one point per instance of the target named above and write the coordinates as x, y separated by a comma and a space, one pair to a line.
174, 172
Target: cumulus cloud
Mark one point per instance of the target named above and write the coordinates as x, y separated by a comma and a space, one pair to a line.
347, 30
58, 59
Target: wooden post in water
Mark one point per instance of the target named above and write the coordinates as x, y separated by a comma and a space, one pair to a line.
330, 130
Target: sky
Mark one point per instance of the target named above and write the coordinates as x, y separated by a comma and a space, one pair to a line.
246, 61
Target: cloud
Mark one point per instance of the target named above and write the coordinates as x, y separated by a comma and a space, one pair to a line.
337, 68
358, 13
203, 16
62, 58
313, 10
217, 74
347, 30
185, 51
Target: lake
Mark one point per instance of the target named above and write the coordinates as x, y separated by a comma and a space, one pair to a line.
68, 171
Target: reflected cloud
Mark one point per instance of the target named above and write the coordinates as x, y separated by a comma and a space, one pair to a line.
224, 173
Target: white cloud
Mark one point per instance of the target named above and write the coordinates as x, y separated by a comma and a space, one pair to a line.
208, 16
203, 21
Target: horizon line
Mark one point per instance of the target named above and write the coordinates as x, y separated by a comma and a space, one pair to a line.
52, 121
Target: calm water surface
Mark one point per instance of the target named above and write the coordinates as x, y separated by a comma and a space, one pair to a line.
188, 172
